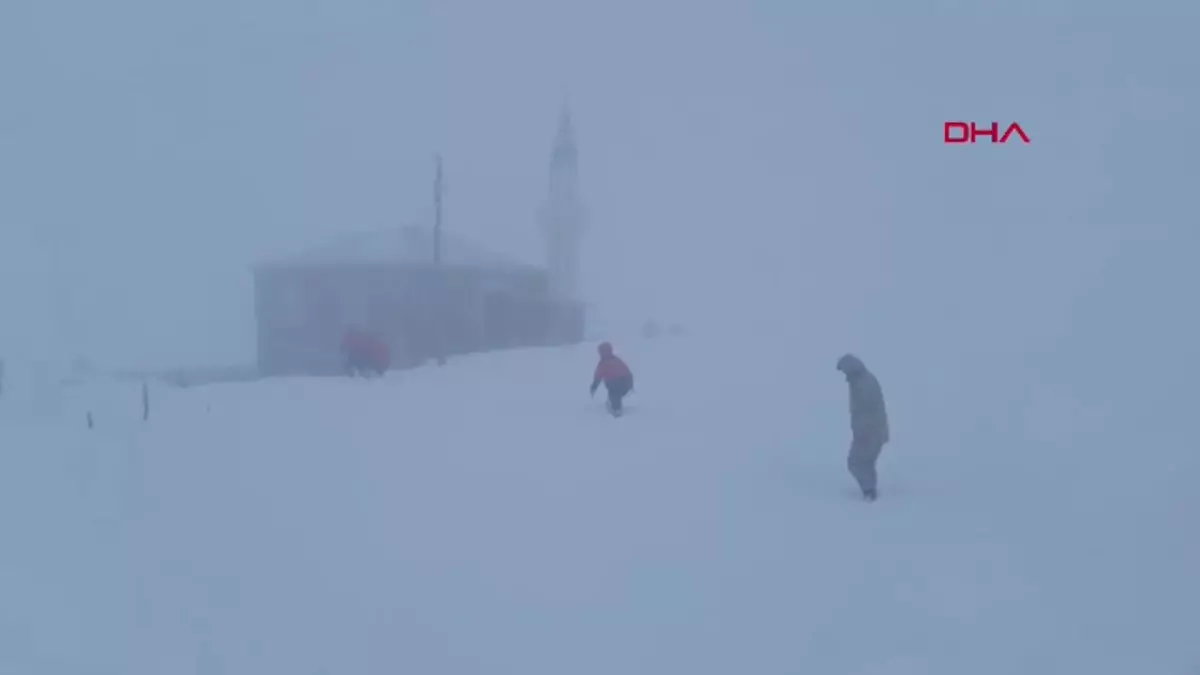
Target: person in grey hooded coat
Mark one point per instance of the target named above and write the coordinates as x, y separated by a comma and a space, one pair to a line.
868, 422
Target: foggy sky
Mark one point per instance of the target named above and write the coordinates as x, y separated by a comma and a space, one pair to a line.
769, 165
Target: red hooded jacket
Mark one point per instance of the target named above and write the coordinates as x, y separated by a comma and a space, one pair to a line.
611, 367
367, 349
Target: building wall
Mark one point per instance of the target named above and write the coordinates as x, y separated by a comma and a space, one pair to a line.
419, 311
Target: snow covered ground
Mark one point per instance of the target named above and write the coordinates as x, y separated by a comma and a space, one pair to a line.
487, 517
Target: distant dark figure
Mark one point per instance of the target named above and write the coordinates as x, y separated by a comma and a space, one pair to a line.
868, 421
364, 354
615, 375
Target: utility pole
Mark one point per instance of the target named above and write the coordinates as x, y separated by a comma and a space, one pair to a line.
440, 302
437, 217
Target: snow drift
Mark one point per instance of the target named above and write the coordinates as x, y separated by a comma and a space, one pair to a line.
487, 517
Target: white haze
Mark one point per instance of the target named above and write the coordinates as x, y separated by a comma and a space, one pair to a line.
769, 174
770, 166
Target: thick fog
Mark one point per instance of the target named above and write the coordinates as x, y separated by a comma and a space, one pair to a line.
770, 175
771, 166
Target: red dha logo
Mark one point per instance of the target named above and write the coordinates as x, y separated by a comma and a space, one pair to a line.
968, 132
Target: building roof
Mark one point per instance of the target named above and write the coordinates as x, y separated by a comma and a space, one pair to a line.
400, 246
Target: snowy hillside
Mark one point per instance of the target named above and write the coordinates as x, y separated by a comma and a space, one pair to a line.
487, 517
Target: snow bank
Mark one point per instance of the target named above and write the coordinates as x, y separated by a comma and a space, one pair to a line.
487, 517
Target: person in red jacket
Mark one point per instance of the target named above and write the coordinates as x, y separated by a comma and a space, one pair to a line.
364, 354
615, 375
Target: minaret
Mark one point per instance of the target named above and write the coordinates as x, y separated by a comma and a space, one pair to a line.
562, 215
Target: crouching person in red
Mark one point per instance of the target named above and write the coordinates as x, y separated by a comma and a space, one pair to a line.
615, 375
364, 354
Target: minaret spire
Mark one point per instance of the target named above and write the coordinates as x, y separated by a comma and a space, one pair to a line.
562, 216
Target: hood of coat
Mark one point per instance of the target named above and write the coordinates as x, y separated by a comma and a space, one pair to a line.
851, 365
